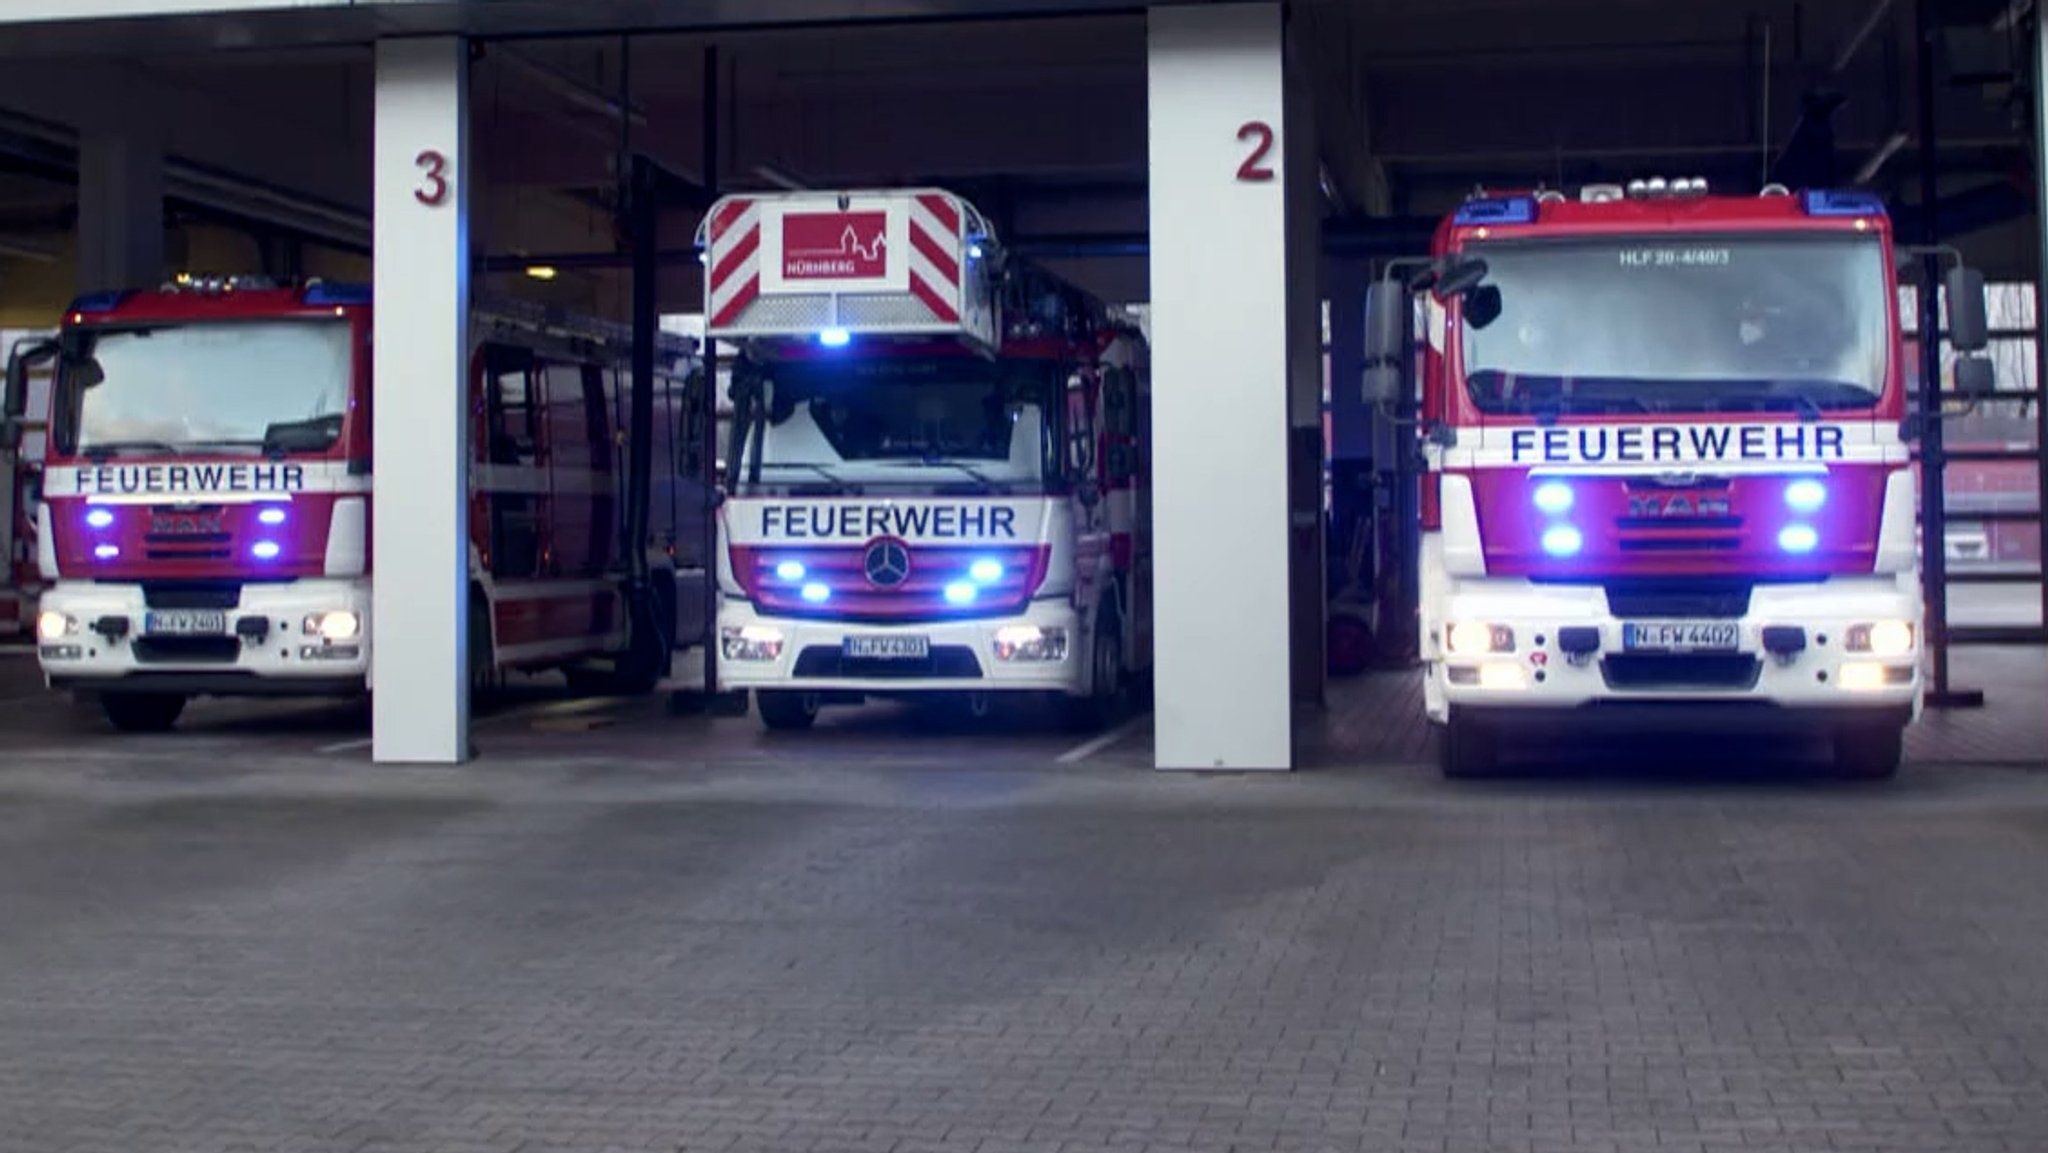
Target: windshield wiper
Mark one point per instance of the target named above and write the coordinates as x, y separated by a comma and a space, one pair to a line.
831, 477
987, 482
107, 448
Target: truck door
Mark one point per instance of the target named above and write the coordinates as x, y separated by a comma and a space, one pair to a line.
513, 482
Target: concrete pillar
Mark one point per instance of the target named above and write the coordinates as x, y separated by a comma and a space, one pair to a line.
120, 209
420, 527
1220, 150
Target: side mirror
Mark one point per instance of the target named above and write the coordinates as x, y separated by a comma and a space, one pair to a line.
1459, 275
1969, 330
1974, 378
1389, 315
1482, 305
1382, 385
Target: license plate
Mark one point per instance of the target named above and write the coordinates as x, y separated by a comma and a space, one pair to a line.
185, 623
1680, 636
887, 648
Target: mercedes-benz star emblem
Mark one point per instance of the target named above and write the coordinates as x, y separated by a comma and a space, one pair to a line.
887, 564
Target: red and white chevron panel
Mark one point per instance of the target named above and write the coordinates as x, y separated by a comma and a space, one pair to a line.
931, 270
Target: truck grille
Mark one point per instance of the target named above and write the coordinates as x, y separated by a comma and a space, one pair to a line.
1693, 599
1734, 672
955, 661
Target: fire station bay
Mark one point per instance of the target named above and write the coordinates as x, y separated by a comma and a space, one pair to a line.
1235, 386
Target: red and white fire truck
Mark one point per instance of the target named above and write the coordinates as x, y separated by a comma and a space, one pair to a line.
938, 476
205, 523
1668, 479
21, 480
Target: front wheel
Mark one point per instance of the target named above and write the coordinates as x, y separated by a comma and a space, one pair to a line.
1870, 752
1107, 694
1465, 750
785, 711
142, 712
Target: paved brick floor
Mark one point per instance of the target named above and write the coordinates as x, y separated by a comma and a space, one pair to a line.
294, 954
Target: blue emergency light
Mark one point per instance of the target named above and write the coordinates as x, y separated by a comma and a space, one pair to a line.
1497, 210
323, 294
98, 302
1841, 202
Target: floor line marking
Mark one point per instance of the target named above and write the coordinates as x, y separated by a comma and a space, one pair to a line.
1088, 749
345, 746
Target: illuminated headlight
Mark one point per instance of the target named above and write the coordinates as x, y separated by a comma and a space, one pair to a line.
1502, 676
1862, 676
340, 625
751, 643
1473, 638
1882, 639
1030, 643
52, 625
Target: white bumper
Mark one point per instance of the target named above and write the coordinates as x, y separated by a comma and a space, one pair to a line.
947, 670
1806, 685
285, 661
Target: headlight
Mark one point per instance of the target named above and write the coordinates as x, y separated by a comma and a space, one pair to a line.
751, 643
1501, 676
1882, 639
340, 625
1472, 638
1861, 676
52, 625
1030, 643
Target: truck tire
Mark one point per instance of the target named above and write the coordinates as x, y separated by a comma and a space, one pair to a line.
1870, 752
1108, 694
783, 710
142, 712
483, 672
1466, 751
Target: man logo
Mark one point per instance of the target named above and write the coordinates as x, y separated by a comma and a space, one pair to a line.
1677, 506
887, 563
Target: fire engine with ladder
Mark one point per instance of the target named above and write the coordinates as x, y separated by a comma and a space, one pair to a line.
937, 483
205, 522
1668, 469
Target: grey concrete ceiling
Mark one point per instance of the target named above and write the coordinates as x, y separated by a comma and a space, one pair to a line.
1042, 119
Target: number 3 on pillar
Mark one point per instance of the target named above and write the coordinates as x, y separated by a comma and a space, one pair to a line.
433, 187
1259, 136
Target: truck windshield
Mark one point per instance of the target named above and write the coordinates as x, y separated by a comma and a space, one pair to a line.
952, 422
267, 386
1681, 324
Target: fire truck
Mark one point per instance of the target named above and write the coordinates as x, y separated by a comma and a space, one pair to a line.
205, 523
937, 479
21, 475
1667, 476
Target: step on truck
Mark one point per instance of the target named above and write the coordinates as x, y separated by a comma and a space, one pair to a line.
1668, 477
205, 522
937, 480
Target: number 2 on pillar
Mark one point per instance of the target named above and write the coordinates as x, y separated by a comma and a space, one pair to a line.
433, 188
1259, 135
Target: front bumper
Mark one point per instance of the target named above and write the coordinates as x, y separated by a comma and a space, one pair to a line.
1749, 687
963, 655
280, 660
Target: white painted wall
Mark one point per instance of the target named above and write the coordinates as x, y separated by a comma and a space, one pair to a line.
1220, 390
420, 531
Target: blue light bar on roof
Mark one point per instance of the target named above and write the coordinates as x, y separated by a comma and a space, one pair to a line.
1842, 202
324, 293
98, 302
1498, 210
